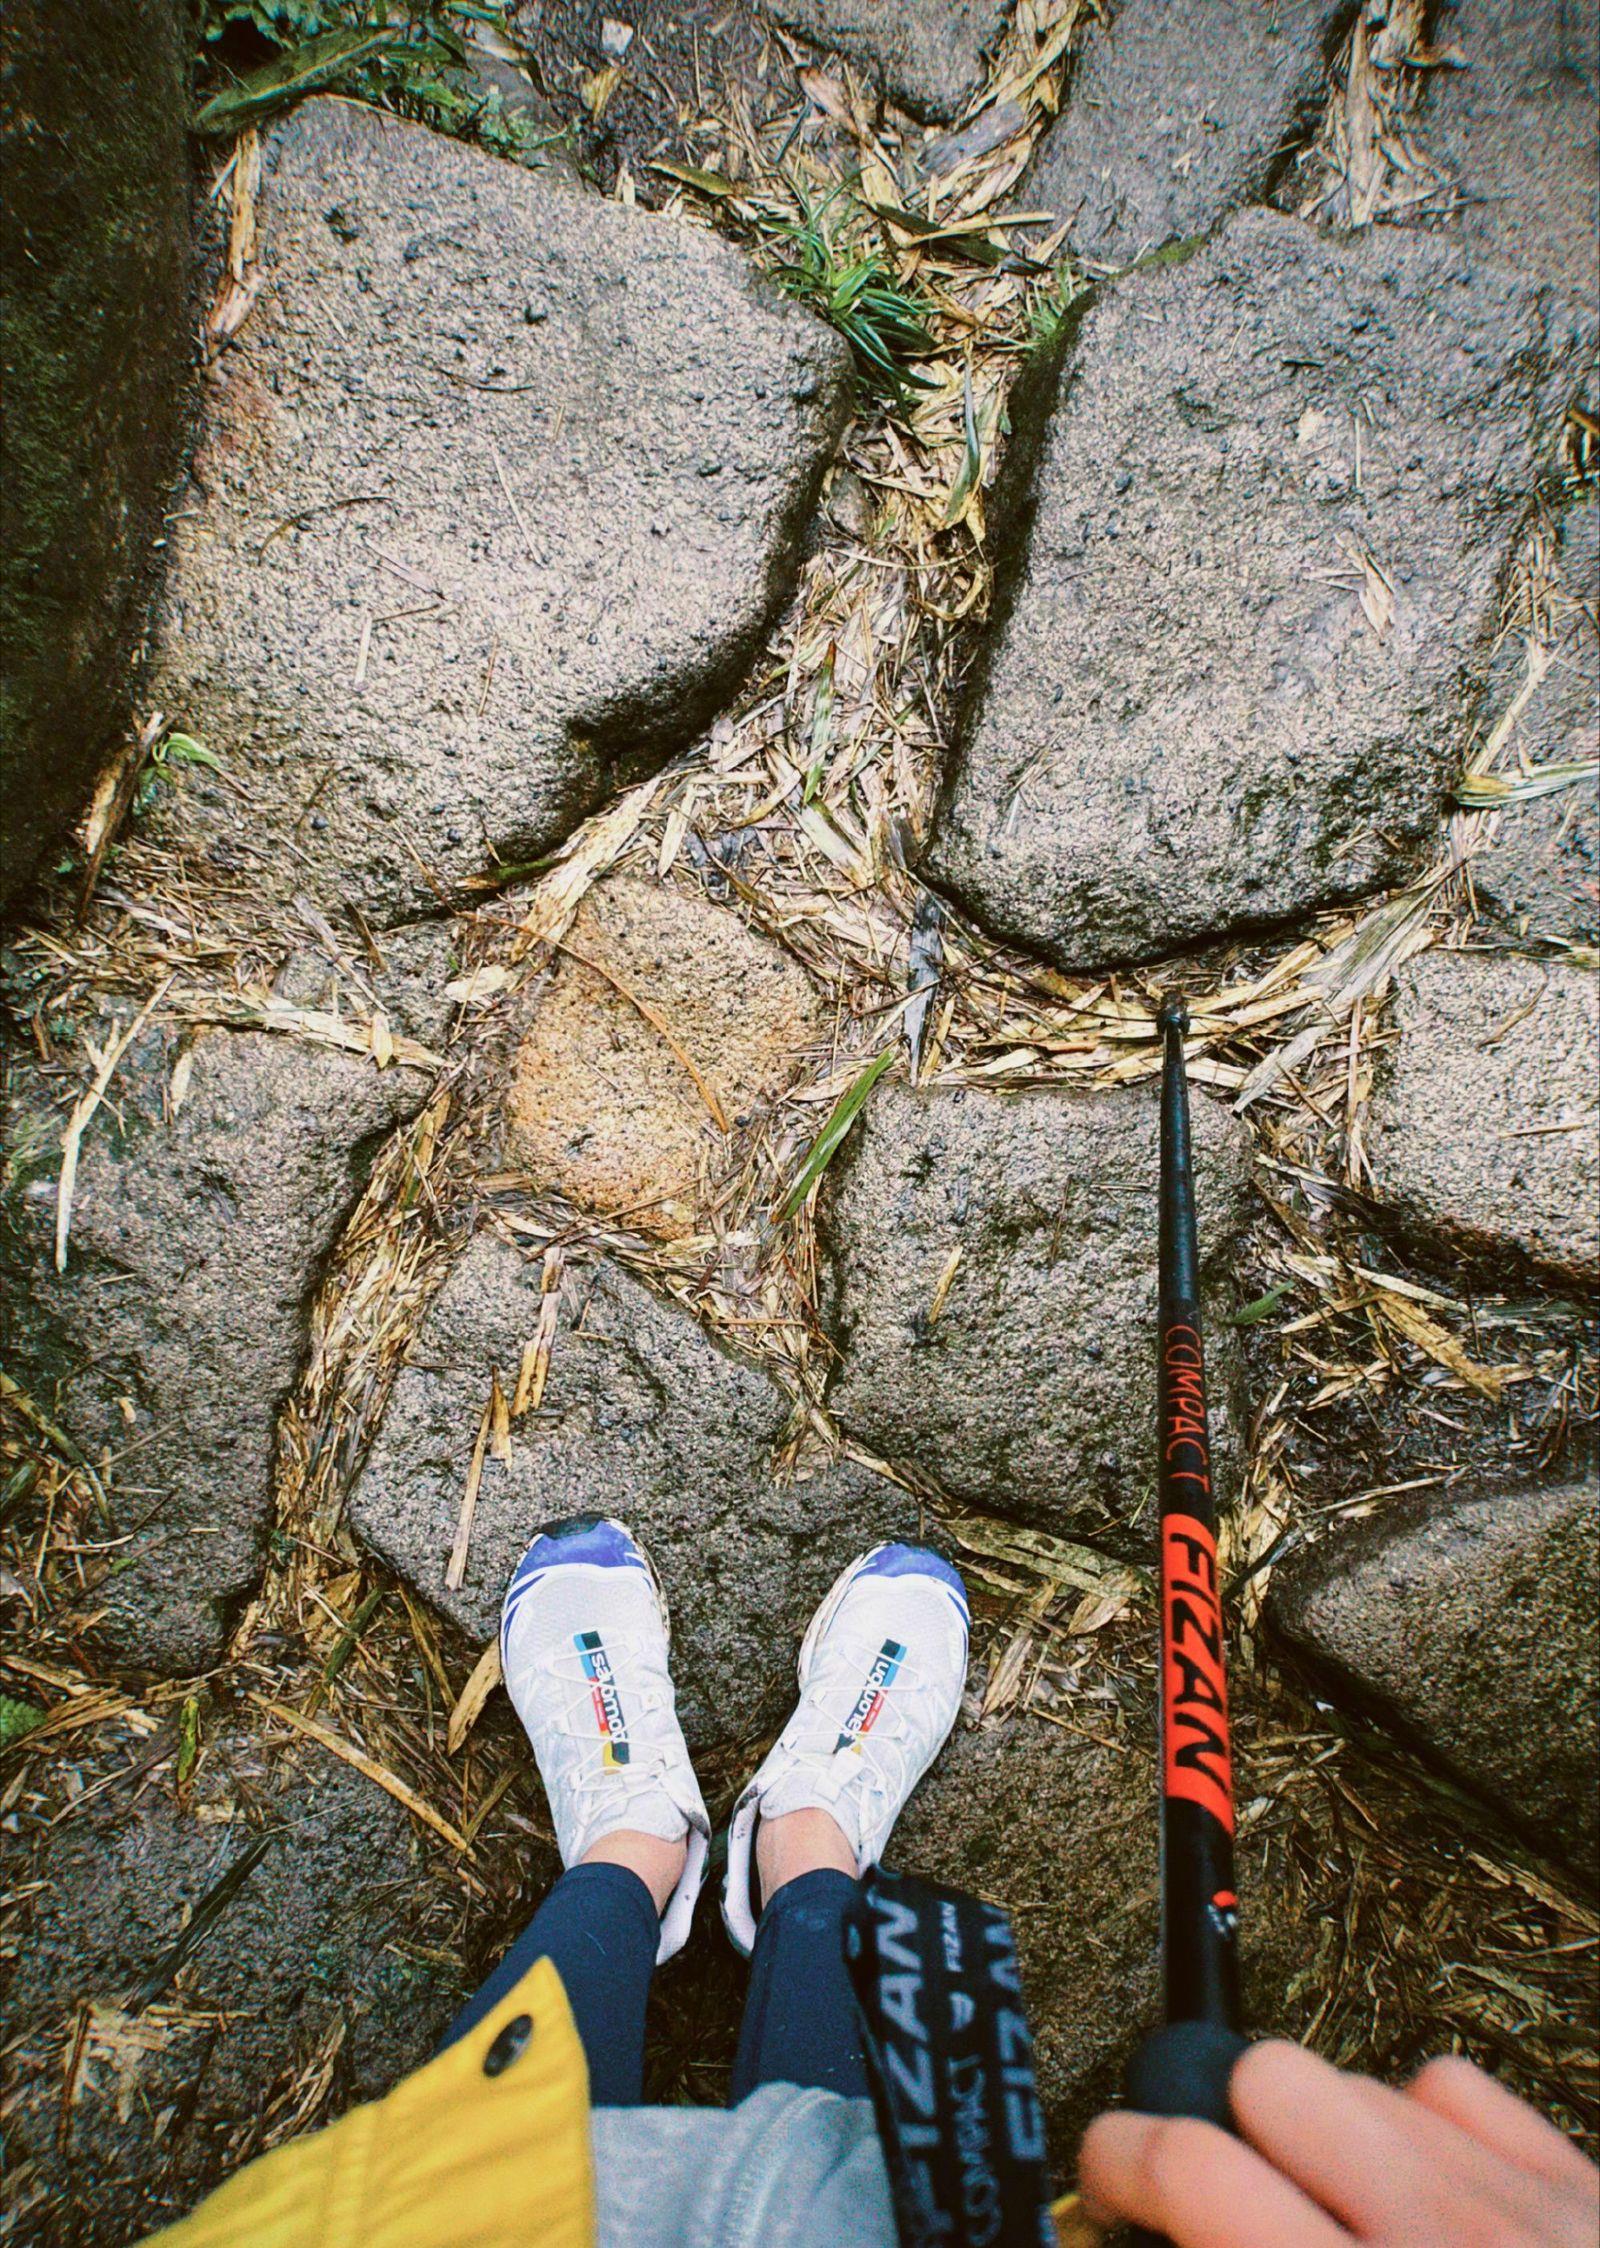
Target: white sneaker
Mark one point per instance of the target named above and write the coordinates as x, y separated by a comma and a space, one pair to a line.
882, 1668
583, 1645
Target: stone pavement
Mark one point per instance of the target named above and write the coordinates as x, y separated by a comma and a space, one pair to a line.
494, 501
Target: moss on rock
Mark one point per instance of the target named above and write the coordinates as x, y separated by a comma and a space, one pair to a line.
94, 202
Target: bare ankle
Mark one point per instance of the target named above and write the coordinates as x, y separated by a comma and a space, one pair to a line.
800, 1842
658, 1864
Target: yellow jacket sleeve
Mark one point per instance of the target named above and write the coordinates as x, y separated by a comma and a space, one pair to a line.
487, 2146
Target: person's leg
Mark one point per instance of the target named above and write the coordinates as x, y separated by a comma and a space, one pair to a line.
799, 2023
583, 1650
881, 1675
600, 1928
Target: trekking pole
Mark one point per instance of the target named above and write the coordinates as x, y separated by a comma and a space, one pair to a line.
1182, 2068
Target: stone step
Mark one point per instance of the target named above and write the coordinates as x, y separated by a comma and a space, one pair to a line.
95, 191
643, 1417
1484, 1130
1469, 1622
1247, 628
1057, 1817
1514, 129
659, 1005
495, 494
213, 1184
1175, 117
309, 1968
1543, 868
989, 1283
928, 54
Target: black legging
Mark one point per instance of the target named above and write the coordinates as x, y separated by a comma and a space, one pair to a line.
599, 1928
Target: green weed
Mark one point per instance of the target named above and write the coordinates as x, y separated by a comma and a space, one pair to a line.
1053, 308
885, 325
407, 58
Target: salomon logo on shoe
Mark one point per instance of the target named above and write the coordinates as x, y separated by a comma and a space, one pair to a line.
869, 1702
607, 1701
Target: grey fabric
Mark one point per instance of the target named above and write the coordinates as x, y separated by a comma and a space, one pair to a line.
785, 2169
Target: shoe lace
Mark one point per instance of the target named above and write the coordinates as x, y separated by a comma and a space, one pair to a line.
648, 1766
884, 1763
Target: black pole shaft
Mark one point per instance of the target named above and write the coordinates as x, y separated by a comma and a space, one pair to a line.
1183, 2067
1199, 1907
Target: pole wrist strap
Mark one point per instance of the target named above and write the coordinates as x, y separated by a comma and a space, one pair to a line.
950, 2059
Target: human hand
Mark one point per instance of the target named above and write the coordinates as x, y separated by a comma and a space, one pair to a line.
1325, 2158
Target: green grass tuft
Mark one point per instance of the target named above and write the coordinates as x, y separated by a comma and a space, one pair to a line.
885, 325
259, 56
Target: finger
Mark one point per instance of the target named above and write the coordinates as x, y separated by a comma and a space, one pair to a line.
1196, 2185
1353, 2145
1465, 2096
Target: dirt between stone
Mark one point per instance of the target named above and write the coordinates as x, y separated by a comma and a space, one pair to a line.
663, 1024
686, 63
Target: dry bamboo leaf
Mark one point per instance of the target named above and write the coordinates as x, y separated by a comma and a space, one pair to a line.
113, 798
944, 1283
264, 1010
1059, 1559
1005, 1679
83, 1109
826, 94
597, 91
457, 1567
596, 847
92, 1708
474, 1825
178, 1084
1361, 126
659, 1024
1377, 596
368, 1767
481, 984
1095, 1610
1536, 662
499, 1420
242, 277
485, 1678
1441, 1346
675, 828
535, 1368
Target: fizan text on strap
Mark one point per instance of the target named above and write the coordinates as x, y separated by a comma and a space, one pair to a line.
951, 2061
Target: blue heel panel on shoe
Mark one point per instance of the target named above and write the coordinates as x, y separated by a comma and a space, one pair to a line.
917, 1561
591, 1539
